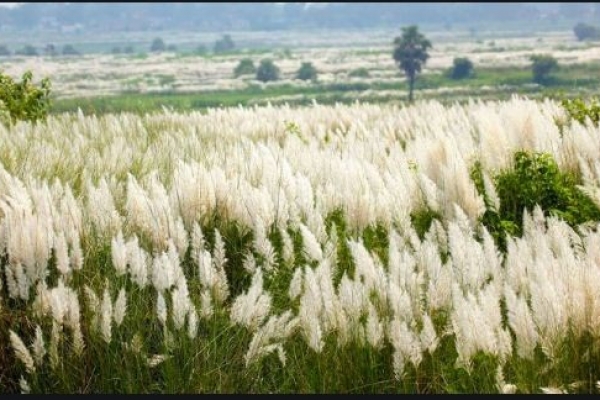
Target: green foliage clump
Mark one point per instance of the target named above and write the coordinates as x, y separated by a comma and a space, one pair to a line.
535, 179
267, 71
462, 68
582, 112
23, 100
307, 72
244, 67
542, 66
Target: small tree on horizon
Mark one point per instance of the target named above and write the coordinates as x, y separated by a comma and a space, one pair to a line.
224, 44
158, 45
410, 53
307, 72
586, 32
244, 67
267, 71
542, 66
462, 68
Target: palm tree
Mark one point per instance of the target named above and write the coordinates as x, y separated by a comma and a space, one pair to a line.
410, 52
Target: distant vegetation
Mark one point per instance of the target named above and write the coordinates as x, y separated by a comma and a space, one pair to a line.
411, 54
267, 71
586, 32
307, 72
542, 66
462, 68
245, 67
224, 45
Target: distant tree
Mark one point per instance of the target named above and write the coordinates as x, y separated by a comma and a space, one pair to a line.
224, 44
586, 32
410, 53
267, 71
361, 72
27, 50
4, 51
69, 50
244, 67
201, 49
462, 68
172, 48
128, 50
116, 50
158, 45
541, 67
50, 50
307, 72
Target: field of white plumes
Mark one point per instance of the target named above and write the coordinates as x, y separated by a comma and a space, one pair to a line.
274, 249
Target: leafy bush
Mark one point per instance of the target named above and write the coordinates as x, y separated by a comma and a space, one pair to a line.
461, 69
578, 110
307, 72
23, 100
267, 71
244, 67
535, 179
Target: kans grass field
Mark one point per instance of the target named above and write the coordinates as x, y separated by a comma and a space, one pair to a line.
371, 247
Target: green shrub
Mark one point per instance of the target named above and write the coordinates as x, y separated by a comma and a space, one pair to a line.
267, 71
244, 67
461, 69
307, 72
542, 66
23, 100
578, 110
535, 179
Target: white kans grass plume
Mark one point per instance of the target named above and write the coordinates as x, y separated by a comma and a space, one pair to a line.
22, 352
252, 307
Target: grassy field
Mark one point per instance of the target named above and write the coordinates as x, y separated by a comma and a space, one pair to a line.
179, 236
488, 83
323, 249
